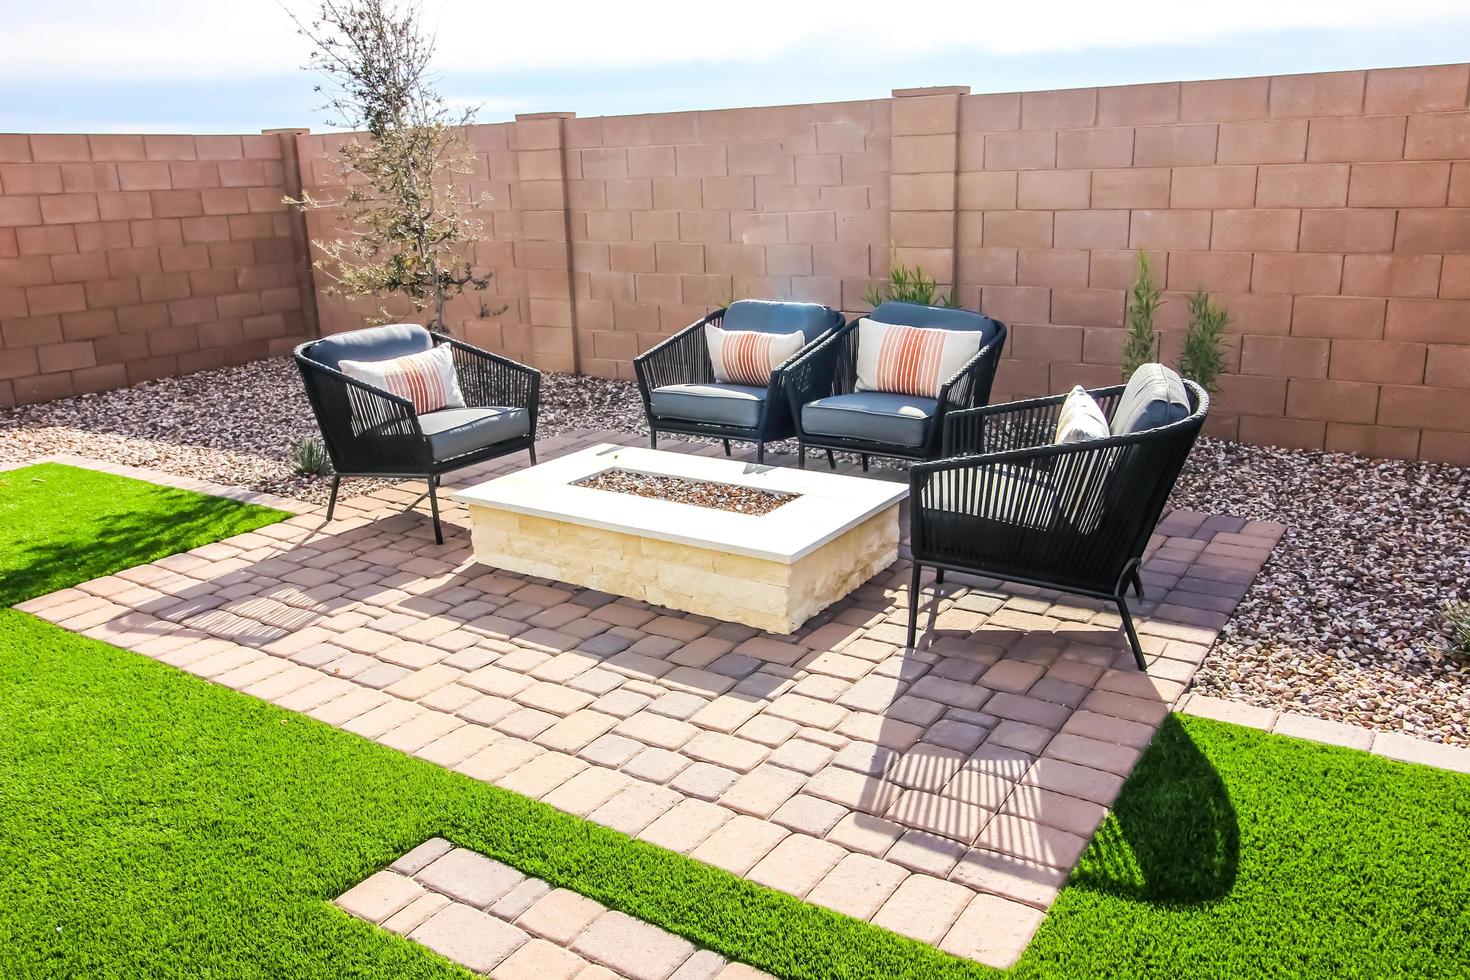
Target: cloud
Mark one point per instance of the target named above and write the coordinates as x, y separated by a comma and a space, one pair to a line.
187, 39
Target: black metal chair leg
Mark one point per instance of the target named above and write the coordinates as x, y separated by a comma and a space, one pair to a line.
865, 462
652, 438
914, 604
727, 446
1132, 634
831, 460
434, 509
1137, 581
800, 455
532, 451
332, 500
938, 576
760, 452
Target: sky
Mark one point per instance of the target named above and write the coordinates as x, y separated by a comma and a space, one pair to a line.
233, 66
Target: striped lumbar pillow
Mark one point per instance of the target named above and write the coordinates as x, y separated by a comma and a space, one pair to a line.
747, 357
904, 360
427, 378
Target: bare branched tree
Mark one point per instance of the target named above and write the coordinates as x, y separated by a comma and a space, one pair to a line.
408, 225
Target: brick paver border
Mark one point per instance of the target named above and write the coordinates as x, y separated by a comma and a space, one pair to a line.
1390, 745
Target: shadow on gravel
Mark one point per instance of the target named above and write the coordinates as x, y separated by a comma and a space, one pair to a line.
1172, 837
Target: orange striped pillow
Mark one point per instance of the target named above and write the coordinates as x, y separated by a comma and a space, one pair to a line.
904, 360
427, 378
747, 357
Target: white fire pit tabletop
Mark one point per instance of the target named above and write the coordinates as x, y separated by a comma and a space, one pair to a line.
827, 504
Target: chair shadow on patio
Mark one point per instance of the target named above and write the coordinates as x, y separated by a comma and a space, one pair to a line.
1172, 837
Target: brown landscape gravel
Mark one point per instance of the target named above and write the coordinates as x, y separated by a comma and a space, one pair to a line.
700, 493
1344, 622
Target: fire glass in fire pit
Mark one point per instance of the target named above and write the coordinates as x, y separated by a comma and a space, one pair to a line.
680, 490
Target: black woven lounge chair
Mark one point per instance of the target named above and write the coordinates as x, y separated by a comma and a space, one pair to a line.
831, 414
370, 432
678, 384
1008, 504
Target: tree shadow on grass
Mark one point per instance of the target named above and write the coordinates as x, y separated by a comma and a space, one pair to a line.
174, 521
1172, 836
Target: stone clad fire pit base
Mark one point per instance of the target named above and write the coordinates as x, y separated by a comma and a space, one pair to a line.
772, 571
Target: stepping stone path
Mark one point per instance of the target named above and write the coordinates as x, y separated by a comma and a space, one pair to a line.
487, 917
942, 792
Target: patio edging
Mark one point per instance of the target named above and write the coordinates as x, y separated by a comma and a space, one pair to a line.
1388, 745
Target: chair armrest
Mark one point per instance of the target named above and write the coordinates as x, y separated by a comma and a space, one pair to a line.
1024, 424
811, 374
681, 359
970, 386
488, 379
365, 429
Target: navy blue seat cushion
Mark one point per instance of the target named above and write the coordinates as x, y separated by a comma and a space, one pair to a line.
936, 318
456, 431
1154, 396
370, 344
772, 316
872, 416
718, 404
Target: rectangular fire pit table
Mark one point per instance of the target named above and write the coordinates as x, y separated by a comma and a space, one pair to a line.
772, 570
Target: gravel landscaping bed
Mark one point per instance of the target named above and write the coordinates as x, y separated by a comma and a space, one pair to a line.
236, 426
1344, 622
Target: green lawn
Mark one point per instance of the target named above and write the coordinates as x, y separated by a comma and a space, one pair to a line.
60, 525
1234, 853
152, 824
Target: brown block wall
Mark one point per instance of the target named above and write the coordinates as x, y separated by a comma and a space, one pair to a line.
1330, 213
126, 258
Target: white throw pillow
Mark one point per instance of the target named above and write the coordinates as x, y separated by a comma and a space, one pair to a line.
747, 357
1081, 419
903, 360
427, 378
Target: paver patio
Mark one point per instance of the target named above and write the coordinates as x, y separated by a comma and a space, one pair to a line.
942, 792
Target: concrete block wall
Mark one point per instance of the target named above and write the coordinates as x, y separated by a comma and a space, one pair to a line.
1330, 213
125, 258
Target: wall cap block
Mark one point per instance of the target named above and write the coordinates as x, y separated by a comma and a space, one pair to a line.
907, 93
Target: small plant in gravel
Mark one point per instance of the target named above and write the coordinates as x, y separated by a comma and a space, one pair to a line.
1202, 361
907, 285
1144, 300
1457, 615
309, 457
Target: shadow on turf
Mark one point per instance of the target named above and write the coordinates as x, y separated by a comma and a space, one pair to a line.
1172, 837
123, 541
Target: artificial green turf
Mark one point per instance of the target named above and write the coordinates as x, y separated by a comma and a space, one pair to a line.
60, 525
1234, 853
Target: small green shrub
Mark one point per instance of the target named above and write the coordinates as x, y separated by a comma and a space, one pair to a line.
309, 457
1202, 361
907, 285
1144, 299
1457, 614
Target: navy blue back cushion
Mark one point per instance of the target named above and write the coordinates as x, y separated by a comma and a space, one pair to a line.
774, 316
371, 344
935, 318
